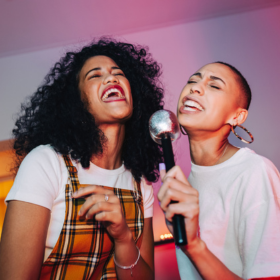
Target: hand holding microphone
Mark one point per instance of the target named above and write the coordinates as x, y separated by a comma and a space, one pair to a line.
164, 127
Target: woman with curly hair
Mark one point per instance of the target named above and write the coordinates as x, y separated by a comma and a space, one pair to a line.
81, 205
231, 199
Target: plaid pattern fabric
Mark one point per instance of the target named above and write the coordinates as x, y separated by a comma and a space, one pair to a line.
84, 249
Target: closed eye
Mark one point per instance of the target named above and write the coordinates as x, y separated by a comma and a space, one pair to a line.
119, 74
215, 87
191, 82
94, 76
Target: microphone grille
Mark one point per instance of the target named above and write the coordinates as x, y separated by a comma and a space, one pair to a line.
164, 122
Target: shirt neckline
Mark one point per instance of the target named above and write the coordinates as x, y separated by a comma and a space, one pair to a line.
107, 172
200, 168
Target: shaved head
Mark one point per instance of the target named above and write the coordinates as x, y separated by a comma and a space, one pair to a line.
245, 91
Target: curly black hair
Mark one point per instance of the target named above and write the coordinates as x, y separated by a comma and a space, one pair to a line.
56, 115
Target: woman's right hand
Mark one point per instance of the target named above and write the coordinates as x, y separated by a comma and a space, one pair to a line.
176, 187
105, 206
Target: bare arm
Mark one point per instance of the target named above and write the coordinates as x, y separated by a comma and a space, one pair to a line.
23, 240
209, 266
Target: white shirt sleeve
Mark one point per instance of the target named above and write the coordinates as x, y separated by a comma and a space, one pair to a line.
38, 177
148, 198
259, 230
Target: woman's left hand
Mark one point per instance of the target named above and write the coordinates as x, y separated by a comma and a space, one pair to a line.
105, 206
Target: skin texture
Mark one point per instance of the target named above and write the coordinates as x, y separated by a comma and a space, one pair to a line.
214, 87
23, 240
25, 227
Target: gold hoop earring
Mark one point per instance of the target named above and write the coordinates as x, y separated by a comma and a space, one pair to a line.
239, 137
183, 130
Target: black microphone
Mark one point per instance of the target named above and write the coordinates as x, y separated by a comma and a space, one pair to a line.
164, 128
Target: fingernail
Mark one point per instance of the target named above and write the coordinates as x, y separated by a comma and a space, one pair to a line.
162, 166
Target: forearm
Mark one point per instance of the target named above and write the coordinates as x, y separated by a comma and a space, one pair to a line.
126, 254
207, 264
23, 241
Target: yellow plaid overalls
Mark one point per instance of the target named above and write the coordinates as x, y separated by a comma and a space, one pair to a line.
84, 249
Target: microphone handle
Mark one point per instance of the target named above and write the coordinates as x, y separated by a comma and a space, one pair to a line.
178, 222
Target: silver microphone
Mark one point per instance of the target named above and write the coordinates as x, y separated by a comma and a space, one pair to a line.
164, 122
164, 128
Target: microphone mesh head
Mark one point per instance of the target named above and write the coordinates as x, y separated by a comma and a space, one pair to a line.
164, 122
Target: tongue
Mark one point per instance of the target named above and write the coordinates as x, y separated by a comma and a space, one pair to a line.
113, 94
193, 108
190, 108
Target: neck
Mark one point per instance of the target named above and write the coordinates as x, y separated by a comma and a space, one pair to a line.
112, 150
209, 149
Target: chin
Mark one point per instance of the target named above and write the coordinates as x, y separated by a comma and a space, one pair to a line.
189, 125
122, 116
183, 121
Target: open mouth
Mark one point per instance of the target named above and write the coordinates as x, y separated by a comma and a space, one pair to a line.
113, 93
192, 106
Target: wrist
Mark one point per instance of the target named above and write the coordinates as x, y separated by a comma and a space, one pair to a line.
128, 266
126, 238
196, 247
124, 245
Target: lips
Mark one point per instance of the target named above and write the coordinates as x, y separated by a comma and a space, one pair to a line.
113, 93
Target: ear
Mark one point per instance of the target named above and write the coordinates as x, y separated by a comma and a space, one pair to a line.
239, 117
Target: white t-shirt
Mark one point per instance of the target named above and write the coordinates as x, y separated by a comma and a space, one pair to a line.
239, 218
42, 177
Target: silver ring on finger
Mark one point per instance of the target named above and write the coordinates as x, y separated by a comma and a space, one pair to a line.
106, 197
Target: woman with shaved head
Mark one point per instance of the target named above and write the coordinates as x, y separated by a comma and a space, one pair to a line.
231, 199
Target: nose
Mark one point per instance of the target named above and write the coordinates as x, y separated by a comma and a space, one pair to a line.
111, 79
197, 88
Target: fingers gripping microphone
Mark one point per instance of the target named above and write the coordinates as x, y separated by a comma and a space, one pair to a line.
164, 128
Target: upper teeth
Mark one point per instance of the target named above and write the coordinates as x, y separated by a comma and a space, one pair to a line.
107, 93
192, 103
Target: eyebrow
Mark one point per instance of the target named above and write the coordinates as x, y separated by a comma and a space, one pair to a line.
211, 77
216, 78
99, 68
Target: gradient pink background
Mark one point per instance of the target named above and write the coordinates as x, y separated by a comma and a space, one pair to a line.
250, 41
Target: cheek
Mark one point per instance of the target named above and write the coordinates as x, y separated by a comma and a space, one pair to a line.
128, 88
221, 111
84, 99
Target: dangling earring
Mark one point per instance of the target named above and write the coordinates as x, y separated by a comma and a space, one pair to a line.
183, 130
239, 137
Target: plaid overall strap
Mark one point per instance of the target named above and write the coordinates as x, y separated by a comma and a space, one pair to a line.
77, 251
